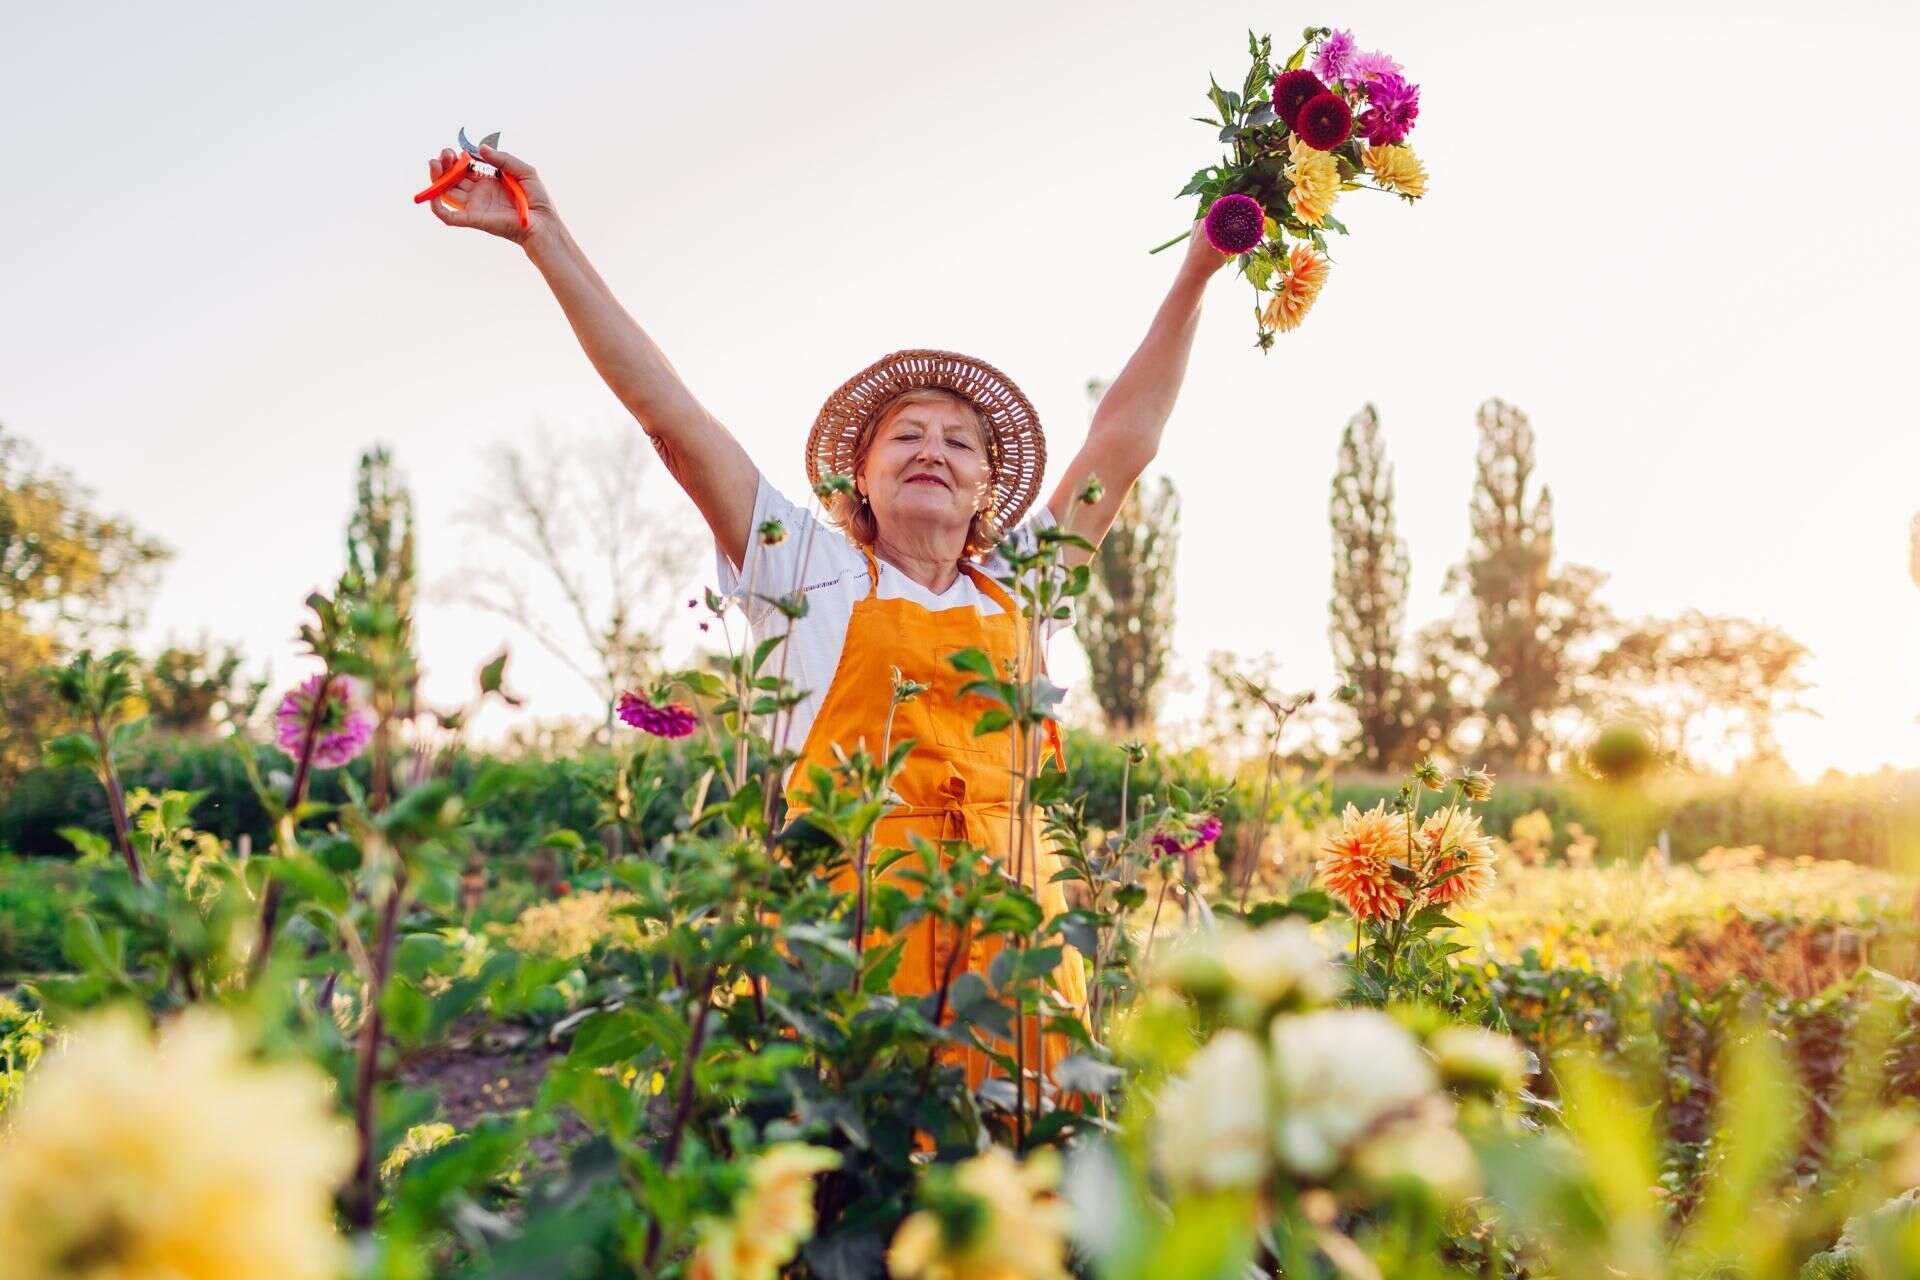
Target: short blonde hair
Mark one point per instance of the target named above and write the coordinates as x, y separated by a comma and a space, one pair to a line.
854, 515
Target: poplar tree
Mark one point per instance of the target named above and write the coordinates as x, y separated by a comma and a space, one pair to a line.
1368, 607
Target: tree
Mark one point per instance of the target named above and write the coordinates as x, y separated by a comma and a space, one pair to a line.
191, 689
577, 541
1531, 624
1368, 607
68, 576
1705, 685
380, 559
1126, 614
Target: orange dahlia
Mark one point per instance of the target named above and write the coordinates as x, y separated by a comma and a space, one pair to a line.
1357, 863
1294, 295
1448, 840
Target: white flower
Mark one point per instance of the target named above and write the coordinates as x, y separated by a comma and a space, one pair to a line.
1255, 972
1427, 1148
1476, 1059
1212, 1124
1341, 1072
1280, 964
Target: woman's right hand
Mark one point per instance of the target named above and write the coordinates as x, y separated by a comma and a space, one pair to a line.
483, 202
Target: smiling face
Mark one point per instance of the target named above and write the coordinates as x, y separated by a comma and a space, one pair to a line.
925, 469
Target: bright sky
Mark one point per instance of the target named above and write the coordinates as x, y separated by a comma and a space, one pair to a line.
1678, 236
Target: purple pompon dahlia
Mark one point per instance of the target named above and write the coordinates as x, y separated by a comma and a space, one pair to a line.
343, 730
1335, 57
1235, 223
1293, 90
674, 720
1392, 106
1325, 122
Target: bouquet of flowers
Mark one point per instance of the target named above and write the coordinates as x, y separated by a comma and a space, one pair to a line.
1334, 118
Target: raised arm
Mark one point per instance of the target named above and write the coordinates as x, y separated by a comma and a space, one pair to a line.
699, 452
1126, 428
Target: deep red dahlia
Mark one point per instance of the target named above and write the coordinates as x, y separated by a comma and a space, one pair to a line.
1324, 122
1293, 90
1235, 223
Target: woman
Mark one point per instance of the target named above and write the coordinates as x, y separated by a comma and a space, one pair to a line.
946, 455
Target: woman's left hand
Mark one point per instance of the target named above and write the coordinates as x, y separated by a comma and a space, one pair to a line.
1202, 258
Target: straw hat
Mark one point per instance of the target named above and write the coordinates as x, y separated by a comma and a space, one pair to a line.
1017, 447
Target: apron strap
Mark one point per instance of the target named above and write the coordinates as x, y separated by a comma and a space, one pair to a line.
873, 573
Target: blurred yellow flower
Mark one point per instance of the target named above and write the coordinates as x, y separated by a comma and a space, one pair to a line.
771, 1219
1316, 181
1294, 295
1001, 1221
571, 926
1396, 168
131, 1158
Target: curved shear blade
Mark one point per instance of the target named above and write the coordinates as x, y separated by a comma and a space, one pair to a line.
468, 147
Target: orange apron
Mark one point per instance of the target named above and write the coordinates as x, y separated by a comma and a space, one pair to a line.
955, 786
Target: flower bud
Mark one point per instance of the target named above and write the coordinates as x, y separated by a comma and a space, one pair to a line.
1428, 775
772, 533
1477, 785
830, 485
1476, 1060
1092, 491
1620, 753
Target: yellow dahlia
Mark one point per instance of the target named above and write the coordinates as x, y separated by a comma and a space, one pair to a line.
1293, 296
1356, 864
1316, 181
1396, 168
771, 1220
997, 1220
1450, 841
177, 1158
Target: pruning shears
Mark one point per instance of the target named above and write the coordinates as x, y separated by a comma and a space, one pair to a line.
469, 160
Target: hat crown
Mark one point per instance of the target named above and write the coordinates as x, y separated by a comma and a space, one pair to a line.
1017, 440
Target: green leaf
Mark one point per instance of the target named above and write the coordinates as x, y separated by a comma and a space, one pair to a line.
991, 722
973, 660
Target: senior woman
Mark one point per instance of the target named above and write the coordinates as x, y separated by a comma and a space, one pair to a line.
946, 456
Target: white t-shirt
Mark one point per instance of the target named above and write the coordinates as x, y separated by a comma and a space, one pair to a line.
835, 580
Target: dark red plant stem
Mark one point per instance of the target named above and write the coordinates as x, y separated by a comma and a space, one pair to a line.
116, 802
683, 1105
361, 1204
302, 773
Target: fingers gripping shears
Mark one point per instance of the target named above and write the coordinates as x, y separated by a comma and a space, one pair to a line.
469, 161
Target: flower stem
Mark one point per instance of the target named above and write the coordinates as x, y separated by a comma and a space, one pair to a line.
361, 1207
1169, 244
116, 801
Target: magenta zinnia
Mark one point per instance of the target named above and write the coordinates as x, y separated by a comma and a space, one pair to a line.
1392, 105
344, 727
1293, 90
1235, 223
1325, 122
674, 720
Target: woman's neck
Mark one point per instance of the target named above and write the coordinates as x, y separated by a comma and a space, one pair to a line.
931, 568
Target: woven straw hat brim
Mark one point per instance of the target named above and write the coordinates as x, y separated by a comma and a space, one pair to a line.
1020, 448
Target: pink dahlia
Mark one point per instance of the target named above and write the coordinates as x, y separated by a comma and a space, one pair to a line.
344, 727
1392, 106
1235, 223
1364, 68
1335, 58
674, 720
1203, 835
1324, 122
1293, 90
